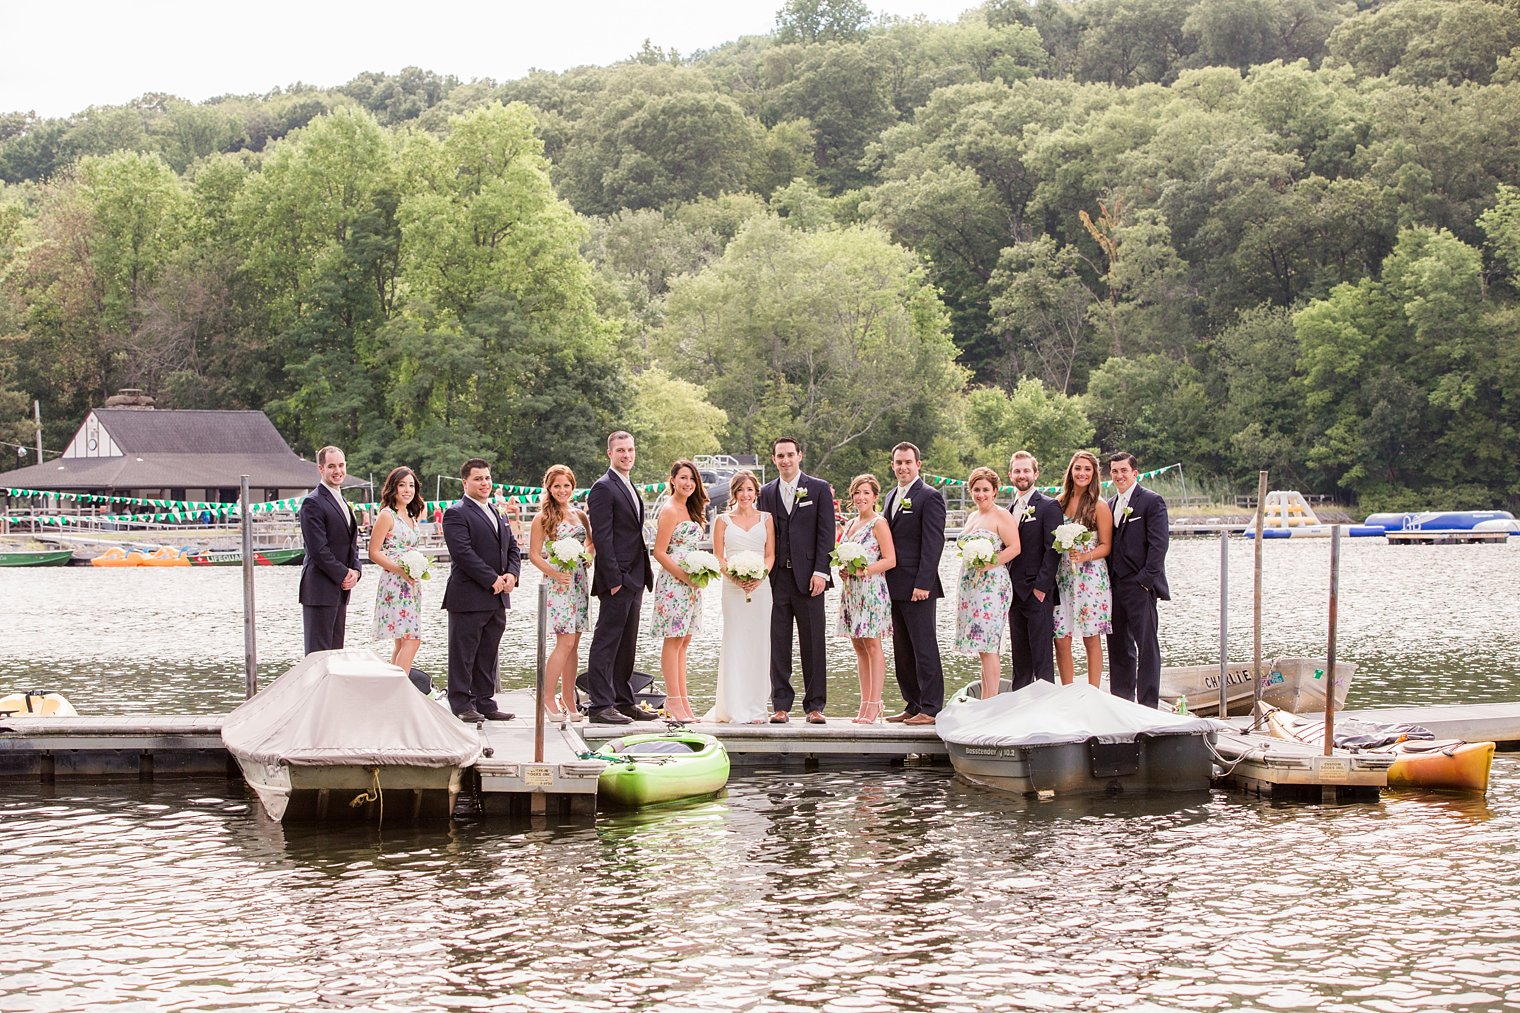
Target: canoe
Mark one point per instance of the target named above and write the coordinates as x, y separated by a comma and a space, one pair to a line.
1294, 684
117, 556
1419, 759
234, 557
49, 558
667, 767
1074, 740
37, 704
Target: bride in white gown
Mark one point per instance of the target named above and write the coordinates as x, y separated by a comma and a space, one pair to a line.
744, 664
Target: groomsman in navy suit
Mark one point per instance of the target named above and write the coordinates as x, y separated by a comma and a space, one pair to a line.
1031, 620
621, 576
1137, 572
916, 517
330, 569
803, 511
485, 562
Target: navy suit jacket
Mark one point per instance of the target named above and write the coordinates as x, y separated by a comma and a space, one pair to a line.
1140, 541
810, 528
622, 558
1035, 565
332, 548
918, 535
479, 552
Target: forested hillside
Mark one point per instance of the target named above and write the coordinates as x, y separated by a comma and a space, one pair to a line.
1232, 233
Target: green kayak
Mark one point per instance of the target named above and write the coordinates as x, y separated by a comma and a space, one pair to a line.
646, 769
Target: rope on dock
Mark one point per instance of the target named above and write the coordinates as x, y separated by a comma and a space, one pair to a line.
374, 794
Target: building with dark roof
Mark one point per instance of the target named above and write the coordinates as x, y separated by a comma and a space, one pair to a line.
170, 454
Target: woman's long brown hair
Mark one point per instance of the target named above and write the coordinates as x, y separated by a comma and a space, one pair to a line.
1086, 512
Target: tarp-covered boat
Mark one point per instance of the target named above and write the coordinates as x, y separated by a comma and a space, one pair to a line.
344, 735
1074, 739
1420, 760
647, 769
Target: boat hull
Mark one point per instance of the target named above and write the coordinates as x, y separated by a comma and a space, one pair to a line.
351, 793
1160, 763
640, 779
1449, 766
37, 704
60, 558
1292, 684
261, 557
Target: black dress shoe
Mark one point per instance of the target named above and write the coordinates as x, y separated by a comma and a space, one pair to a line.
633, 712
608, 716
499, 716
474, 717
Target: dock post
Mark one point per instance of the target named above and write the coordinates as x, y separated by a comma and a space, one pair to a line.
1261, 516
1224, 624
1335, 587
543, 640
250, 639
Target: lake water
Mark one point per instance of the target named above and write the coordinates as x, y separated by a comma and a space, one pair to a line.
879, 889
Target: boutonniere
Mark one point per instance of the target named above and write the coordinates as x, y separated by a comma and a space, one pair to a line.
1029, 513
800, 494
905, 504
1127, 511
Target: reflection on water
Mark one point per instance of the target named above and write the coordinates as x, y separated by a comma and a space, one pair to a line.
886, 890
167, 640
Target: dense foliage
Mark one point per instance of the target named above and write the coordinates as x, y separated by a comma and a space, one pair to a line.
1234, 233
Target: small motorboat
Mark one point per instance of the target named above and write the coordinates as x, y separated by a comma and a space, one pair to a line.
118, 556
1075, 739
663, 767
1420, 760
52, 557
1291, 683
37, 703
344, 735
234, 557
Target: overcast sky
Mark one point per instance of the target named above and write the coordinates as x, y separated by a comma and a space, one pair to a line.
60, 57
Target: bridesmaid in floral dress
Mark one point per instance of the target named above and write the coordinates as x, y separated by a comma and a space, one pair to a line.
569, 592
1086, 605
987, 590
865, 607
398, 599
677, 603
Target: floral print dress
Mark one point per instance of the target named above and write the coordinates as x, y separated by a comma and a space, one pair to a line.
398, 602
678, 606
570, 607
982, 615
1086, 608
865, 605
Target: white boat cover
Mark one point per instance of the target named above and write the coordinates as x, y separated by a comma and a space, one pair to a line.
348, 708
1045, 714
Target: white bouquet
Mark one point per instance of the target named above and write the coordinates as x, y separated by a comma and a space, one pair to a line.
747, 565
701, 566
567, 553
850, 557
416, 565
1072, 536
977, 552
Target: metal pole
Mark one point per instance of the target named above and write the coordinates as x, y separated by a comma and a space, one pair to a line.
1261, 518
37, 417
250, 639
1224, 624
1335, 589
543, 654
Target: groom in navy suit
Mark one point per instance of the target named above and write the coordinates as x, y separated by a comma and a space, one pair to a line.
1031, 620
485, 562
621, 576
1137, 572
330, 534
916, 517
803, 511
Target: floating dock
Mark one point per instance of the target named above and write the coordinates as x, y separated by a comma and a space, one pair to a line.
1266, 767
1447, 537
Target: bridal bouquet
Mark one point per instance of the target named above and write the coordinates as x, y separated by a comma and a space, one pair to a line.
850, 557
568, 553
747, 565
978, 552
416, 565
701, 566
1072, 536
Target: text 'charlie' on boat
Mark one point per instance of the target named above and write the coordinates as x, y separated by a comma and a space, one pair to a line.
344, 735
1294, 684
1075, 739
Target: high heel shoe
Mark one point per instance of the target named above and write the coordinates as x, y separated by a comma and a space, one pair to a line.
679, 708
873, 714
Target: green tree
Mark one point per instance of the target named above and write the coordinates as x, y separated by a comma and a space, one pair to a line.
822, 21
672, 419
1035, 418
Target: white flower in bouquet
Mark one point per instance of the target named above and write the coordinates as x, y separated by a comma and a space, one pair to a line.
567, 553
701, 566
850, 557
1072, 536
978, 552
747, 565
416, 565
